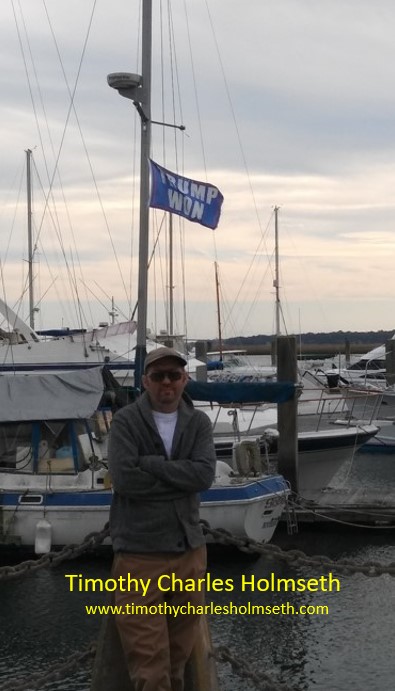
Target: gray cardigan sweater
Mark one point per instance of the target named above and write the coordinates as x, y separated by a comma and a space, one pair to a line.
155, 505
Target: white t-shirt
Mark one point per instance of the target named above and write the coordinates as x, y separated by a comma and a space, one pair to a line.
166, 424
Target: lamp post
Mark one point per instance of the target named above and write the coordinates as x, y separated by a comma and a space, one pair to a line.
138, 89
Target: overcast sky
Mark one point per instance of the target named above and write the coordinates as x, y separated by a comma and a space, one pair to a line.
287, 103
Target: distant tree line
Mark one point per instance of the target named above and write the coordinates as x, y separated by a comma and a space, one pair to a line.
333, 337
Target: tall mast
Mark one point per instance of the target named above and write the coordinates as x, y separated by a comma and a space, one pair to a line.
276, 282
30, 236
138, 89
144, 190
220, 348
113, 312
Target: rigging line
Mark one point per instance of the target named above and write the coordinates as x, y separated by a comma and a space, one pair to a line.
9, 344
181, 236
163, 137
195, 90
36, 119
227, 318
150, 259
153, 256
133, 215
29, 86
182, 250
56, 170
40, 98
26, 70
237, 298
174, 131
46, 291
233, 116
75, 297
238, 136
50, 194
163, 277
175, 87
103, 304
134, 177
21, 180
162, 81
53, 282
169, 255
72, 107
214, 237
258, 294
81, 314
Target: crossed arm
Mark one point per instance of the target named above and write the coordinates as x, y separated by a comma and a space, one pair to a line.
153, 476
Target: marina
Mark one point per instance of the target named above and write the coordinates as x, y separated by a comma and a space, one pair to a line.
350, 519
300, 517
347, 648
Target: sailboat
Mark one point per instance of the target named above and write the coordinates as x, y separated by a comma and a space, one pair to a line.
323, 446
53, 458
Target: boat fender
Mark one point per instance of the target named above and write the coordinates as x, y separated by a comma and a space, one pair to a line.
248, 457
43, 539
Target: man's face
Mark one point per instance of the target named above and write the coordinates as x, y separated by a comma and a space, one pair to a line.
165, 381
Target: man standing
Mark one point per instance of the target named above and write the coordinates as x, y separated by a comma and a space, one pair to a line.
161, 454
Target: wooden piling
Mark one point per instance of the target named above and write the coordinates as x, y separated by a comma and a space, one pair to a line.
287, 412
347, 348
201, 348
110, 671
273, 352
201, 670
390, 362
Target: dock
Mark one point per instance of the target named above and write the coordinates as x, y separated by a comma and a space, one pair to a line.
351, 506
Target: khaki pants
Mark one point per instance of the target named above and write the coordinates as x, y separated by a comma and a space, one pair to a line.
157, 646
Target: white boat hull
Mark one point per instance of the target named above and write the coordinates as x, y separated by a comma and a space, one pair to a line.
320, 454
248, 508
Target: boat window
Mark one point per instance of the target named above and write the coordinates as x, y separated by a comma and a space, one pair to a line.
31, 499
367, 364
42, 447
16, 451
58, 451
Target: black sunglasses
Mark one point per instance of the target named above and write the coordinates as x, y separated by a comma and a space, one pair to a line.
160, 375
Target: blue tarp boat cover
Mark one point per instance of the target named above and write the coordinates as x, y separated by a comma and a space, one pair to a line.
241, 392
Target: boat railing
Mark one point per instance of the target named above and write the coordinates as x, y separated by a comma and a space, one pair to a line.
317, 410
341, 405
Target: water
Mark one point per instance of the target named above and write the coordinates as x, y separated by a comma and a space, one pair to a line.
349, 649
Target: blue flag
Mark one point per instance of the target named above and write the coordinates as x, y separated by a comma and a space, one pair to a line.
199, 202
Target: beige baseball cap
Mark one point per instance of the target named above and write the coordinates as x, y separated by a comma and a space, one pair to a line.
160, 354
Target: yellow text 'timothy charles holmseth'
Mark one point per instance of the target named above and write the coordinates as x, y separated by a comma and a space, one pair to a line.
169, 582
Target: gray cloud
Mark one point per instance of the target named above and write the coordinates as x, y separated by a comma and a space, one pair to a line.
312, 92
